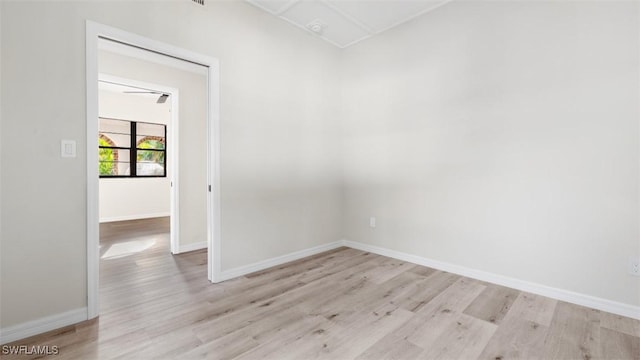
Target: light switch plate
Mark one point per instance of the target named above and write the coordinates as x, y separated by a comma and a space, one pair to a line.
68, 148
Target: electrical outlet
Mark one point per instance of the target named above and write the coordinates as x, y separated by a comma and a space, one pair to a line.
372, 222
634, 266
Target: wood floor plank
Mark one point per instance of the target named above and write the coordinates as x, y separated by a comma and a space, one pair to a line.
516, 338
369, 296
422, 270
305, 264
384, 320
463, 339
337, 341
574, 333
123, 343
339, 283
454, 298
536, 308
171, 345
259, 319
492, 304
342, 304
444, 310
292, 339
620, 323
289, 321
617, 345
225, 348
424, 290
266, 293
391, 347
388, 269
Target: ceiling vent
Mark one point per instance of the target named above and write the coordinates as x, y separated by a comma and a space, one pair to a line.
316, 26
199, 2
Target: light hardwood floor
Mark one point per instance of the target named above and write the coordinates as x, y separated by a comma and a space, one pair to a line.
342, 304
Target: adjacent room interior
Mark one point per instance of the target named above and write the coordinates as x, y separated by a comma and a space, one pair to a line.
320, 179
138, 129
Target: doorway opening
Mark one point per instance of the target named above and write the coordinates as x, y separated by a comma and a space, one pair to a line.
137, 161
127, 149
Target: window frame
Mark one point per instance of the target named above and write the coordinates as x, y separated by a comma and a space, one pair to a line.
133, 149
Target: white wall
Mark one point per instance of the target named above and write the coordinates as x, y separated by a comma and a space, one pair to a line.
134, 198
279, 149
501, 137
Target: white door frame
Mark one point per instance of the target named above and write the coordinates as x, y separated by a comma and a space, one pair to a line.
173, 148
95, 31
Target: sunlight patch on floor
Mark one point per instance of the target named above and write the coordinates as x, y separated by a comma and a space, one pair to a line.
127, 248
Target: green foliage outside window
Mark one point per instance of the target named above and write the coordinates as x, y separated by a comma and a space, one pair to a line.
107, 166
151, 156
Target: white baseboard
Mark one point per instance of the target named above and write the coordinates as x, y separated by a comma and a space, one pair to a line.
191, 247
134, 217
42, 325
265, 264
551, 292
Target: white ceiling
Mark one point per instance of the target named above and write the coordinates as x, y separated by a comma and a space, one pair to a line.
346, 22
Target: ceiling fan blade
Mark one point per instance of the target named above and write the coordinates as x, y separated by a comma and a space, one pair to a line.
141, 92
162, 99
